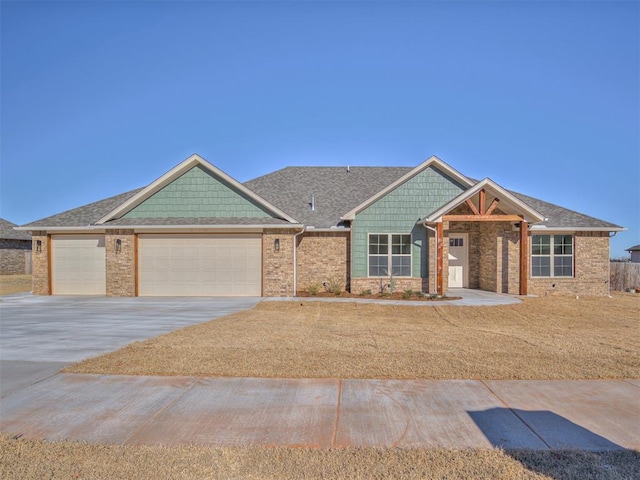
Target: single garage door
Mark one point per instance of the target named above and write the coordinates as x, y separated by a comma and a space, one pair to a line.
78, 265
205, 265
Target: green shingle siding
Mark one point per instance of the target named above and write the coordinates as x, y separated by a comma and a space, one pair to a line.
197, 193
398, 212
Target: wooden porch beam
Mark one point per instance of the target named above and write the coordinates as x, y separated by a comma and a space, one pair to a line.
472, 207
493, 206
524, 254
482, 201
440, 257
481, 218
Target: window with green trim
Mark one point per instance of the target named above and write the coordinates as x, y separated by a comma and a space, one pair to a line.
552, 256
389, 255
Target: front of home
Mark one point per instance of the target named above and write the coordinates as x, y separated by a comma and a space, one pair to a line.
197, 231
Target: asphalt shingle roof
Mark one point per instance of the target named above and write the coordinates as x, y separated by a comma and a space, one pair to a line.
8, 233
336, 191
85, 215
635, 248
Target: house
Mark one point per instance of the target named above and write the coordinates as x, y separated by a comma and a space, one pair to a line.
635, 253
15, 250
198, 231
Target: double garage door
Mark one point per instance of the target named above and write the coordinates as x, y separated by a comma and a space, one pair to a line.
168, 265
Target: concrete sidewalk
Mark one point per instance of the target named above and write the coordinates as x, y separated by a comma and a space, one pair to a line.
589, 415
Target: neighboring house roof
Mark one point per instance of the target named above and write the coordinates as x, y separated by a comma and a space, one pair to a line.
635, 248
337, 191
8, 233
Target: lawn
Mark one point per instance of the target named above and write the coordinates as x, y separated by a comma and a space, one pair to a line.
559, 338
33, 459
15, 284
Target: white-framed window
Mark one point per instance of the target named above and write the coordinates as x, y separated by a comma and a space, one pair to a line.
389, 254
552, 255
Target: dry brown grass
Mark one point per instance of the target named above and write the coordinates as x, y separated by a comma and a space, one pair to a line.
32, 459
15, 284
542, 338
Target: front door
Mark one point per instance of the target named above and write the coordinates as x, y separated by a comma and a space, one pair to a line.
458, 260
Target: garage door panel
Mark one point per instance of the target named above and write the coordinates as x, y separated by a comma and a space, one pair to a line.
78, 265
200, 265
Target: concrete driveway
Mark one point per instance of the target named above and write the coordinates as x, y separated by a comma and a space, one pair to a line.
41, 334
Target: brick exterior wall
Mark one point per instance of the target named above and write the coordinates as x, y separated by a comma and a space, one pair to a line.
322, 256
120, 266
41, 264
591, 275
359, 285
13, 256
277, 267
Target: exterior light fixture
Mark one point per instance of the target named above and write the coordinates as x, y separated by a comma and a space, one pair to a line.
276, 245
118, 245
38, 246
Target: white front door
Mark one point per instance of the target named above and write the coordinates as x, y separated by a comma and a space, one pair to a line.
458, 260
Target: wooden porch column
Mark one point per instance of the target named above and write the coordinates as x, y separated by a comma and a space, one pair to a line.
440, 257
524, 254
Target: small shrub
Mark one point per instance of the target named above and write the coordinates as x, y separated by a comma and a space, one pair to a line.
392, 284
407, 294
419, 294
314, 289
334, 285
365, 292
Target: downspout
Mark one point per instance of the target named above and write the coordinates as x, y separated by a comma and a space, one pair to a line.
435, 231
295, 261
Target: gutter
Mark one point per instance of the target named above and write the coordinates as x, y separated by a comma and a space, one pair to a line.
295, 260
435, 231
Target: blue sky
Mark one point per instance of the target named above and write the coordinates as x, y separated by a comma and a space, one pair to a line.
98, 98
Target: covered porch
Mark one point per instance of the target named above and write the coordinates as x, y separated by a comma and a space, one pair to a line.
480, 240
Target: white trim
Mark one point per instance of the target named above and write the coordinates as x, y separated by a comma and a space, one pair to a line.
543, 228
431, 161
551, 256
390, 255
505, 197
177, 171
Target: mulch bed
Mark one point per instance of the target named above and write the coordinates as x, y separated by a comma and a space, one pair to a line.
414, 296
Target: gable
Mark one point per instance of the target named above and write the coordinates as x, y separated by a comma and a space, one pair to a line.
198, 193
411, 200
399, 211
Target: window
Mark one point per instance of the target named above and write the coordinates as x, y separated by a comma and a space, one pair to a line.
456, 242
389, 250
552, 256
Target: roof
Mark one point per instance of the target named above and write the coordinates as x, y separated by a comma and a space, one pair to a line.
83, 216
336, 191
8, 233
635, 248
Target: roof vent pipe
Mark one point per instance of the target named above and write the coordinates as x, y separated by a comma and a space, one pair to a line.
313, 202
348, 169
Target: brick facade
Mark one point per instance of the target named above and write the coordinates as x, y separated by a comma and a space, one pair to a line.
277, 266
41, 264
121, 266
321, 258
591, 264
14, 256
